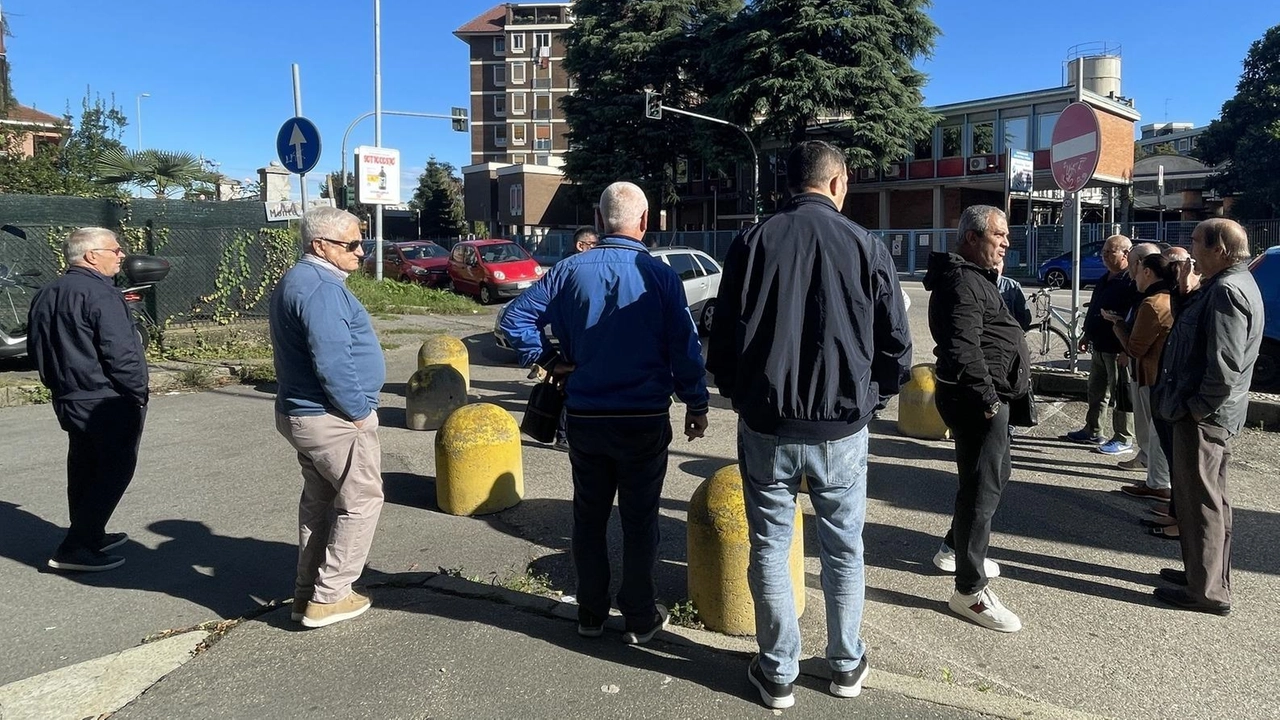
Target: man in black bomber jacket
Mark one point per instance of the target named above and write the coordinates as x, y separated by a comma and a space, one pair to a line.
982, 364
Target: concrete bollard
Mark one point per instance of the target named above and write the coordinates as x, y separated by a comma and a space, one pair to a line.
478, 465
917, 414
431, 395
446, 350
719, 549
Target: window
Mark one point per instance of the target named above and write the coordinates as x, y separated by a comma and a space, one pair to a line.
924, 148
541, 77
951, 141
542, 106
1044, 130
542, 39
518, 159
542, 159
517, 103
517, 73
1016, 134
982, 139
500, 105
541, 137
500, 135
708, 265
518, 134
684, 265
500, 45
516, 198
1184, 144
500, 75
517, 42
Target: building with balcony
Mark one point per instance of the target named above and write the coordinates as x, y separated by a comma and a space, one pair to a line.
518, 134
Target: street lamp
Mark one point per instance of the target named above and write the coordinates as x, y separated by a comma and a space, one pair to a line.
140, 96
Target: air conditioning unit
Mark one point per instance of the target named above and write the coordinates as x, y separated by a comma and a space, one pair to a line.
895, 170
978, 164
867, 174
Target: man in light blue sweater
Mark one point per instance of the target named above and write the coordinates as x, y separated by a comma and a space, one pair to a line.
330, 369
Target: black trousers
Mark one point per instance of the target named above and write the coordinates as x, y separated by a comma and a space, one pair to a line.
1164, 431
982, 470
102, 454
626, 457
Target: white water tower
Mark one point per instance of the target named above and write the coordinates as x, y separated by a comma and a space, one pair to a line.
1101, 62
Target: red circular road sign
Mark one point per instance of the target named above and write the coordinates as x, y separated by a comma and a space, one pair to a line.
1074, 148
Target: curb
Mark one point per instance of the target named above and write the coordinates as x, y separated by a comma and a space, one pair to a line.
164, 377
1264, 410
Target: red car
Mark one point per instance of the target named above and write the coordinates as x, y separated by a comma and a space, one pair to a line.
422, 262
492, 269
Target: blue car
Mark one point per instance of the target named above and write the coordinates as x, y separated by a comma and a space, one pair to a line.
1055, 272
1266, 271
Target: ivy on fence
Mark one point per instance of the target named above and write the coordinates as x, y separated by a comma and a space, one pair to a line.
234, 289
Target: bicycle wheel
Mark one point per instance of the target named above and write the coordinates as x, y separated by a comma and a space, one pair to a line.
1051, 349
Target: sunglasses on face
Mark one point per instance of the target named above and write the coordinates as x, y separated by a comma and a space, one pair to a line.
348, 246
116, 250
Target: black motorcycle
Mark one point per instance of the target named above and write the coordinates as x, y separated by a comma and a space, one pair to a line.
15, 284
142, 272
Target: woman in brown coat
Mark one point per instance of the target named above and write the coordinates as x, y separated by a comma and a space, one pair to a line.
1143, 344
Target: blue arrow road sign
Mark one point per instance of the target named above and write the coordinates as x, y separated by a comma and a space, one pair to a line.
298, 145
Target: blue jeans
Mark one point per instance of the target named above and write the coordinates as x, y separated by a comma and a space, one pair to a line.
627, 457
837, 473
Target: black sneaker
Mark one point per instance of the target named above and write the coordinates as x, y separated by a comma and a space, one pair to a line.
84, 560
848, 684
589, 626
1177, 577
111, 541
774, 695
640, 637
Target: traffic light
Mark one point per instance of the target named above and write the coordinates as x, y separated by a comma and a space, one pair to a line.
346, 198
459, 119
652, 105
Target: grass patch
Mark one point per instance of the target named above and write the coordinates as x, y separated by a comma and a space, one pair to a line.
197, 377
685, 614
412, 331
391, 296
256, 373
37, 394
531, 582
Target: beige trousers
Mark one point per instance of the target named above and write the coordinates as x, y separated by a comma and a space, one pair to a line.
340, 504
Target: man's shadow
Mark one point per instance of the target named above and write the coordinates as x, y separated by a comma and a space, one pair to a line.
230, 576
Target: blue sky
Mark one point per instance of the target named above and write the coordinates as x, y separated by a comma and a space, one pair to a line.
219, 72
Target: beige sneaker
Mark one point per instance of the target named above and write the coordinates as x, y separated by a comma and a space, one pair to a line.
321, 614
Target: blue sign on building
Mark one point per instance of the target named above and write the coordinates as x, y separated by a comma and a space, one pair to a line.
298, 145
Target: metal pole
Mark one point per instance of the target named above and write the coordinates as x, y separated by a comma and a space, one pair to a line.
377, 126
369, 114
297, 112
755, 156
1076, 211
140, 96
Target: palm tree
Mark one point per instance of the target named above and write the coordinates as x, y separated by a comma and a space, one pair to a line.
161, 171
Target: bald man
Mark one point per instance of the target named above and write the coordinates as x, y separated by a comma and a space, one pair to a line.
1204, 393
1116, 293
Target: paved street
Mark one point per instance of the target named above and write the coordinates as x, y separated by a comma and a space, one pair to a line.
212, 514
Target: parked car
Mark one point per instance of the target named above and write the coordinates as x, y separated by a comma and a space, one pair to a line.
1266, 272
699, 273
492, 269
1056, 272
418, 261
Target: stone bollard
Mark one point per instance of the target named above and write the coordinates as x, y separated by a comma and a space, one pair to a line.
917, 415
431, 395
446, 350
719, 548
478, 466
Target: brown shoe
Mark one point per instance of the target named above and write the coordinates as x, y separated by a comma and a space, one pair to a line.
1160, 509
1133, 463
1141, 490
321, 614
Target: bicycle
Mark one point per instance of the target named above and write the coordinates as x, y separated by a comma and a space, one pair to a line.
1049, 338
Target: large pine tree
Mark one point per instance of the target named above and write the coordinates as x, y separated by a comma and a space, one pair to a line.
438, 198
786, 64
614, 51
1247, 135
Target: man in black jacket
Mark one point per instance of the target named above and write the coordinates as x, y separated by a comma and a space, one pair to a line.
83, 343
810, 332
982, 364
1108, 381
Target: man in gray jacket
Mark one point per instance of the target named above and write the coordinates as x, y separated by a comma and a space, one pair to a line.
1203, 392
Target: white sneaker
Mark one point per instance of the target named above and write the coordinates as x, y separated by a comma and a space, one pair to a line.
945, 560
985, 609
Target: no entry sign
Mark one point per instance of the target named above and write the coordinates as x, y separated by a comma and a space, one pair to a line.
1074, 149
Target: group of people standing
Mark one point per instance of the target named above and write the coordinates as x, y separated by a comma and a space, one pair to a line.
1175, 334
811, 337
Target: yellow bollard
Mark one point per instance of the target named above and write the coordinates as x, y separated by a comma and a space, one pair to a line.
719, 549
446, 350
431, 395
917, 415
478, 466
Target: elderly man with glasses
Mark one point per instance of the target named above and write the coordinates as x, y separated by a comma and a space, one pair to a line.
330, 369
82, 341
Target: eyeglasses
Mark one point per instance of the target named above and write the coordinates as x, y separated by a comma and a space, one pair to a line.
348, 246
117, 250
1192, 261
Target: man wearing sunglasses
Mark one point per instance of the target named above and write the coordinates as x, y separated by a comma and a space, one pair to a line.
329, 369
82, 341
